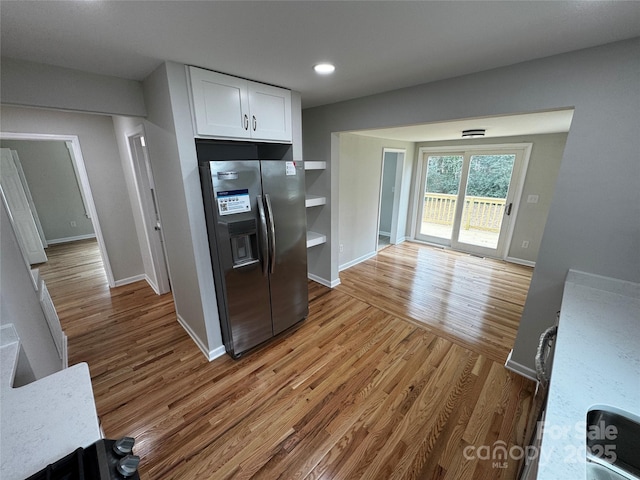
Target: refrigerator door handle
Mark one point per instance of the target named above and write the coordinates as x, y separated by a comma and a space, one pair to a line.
264, 237
272, 236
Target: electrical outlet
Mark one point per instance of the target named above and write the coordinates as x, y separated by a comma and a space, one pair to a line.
525, 244
341, 248
533, 198
73, 223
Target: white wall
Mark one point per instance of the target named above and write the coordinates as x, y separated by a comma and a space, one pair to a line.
36, 85
106, 177
20, 304
593, 220
54, 187
359, 193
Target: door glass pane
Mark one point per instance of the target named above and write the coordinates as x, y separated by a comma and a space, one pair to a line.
440, 195
485, 198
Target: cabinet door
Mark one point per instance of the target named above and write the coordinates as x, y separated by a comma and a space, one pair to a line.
270, 112
220, 104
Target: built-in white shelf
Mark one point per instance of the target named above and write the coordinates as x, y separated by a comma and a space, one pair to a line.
315, 165
314, 201
314, 238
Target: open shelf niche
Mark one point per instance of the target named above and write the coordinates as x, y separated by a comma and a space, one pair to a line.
312, 201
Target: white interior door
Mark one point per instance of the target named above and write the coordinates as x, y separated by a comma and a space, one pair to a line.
150, 212
32, 205
19, 210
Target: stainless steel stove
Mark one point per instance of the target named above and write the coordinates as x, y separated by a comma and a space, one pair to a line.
104, 460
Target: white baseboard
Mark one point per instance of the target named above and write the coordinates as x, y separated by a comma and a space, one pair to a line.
323, 281
520, 369
53, 321
127, 281
209, 354
71, 239
216, 352
152, 284
519, 261
384, 234
35, 276
361, 259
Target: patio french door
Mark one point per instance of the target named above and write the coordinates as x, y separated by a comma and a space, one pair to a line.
468, 198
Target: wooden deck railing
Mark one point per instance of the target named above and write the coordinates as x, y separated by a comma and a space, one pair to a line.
480, 213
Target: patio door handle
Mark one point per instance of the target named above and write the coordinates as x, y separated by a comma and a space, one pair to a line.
508, 212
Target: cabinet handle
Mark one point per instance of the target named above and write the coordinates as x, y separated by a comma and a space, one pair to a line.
255, 123
246, 122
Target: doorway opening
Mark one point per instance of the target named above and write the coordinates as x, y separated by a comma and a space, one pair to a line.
390, 194
468, 198
86, 223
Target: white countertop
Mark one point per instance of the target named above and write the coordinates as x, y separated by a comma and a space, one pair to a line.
44, 420
596, 363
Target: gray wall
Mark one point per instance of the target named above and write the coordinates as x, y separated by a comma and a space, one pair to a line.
359, 193
593, 220
544, 164
104, 169
54, 187
36, 85
20, 305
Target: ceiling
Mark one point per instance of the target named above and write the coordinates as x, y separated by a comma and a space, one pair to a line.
376, 45
538, 123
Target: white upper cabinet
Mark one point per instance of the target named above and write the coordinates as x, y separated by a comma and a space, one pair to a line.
220, 104
226, 106
270, 112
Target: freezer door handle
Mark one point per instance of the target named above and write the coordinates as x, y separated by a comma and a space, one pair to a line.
264, 237
272, 234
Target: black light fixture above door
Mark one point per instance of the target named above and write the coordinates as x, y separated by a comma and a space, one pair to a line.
477, 132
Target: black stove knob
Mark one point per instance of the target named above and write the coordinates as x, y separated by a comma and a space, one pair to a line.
127, 466
124, 446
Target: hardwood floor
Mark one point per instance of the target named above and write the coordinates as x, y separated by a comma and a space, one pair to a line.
356, 391
473, 301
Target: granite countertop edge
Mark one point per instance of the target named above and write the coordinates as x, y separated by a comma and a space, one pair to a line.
596, 364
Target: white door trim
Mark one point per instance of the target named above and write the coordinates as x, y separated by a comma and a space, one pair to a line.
79, 165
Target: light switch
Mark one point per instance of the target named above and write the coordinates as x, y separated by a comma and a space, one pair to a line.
533, 198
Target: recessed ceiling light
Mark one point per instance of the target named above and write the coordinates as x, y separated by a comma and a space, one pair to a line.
324, 68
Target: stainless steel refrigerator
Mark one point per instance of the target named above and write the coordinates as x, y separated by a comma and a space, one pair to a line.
254, 199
